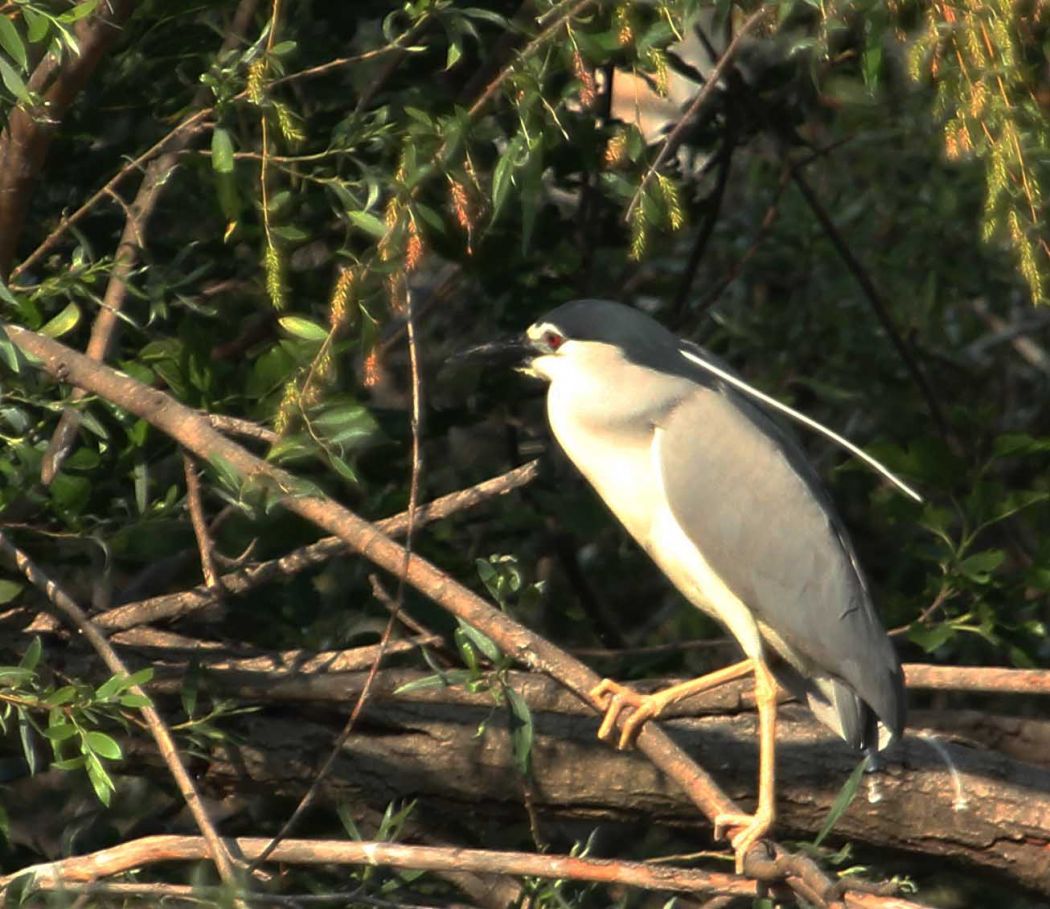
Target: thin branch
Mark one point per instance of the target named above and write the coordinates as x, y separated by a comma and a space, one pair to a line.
558, 15
765, 224
874, 298
200, 525
362, 699
703, 235
27, 134
211, 844
977, 678
172, 605
154, 849
677, 135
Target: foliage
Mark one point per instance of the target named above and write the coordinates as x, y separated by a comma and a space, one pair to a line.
468, 163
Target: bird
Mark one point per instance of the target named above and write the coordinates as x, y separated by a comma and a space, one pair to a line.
723, 499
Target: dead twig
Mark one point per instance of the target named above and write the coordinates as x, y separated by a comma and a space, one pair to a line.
874, 298
154, 849
172, 605
235, 426
200, 525
413, 501
677, 135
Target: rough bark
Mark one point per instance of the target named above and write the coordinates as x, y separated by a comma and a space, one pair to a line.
933, 796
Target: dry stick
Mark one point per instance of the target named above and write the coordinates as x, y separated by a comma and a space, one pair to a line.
169, 848
243, 580
165, 745
991, 679
192, 431
154, 849
126, 258
707, 229
236, 426
200, 525
765, 224
413, 499
675, 137
146, 850
874, 299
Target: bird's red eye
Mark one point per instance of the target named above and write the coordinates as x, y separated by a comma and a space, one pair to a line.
553, 340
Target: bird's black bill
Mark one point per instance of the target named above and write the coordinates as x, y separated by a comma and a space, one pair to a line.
506, 353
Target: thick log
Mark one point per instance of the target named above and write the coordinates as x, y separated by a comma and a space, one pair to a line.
932, 796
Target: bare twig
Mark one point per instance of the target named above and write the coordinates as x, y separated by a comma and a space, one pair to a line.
200, 525
703, 235
767, 222
154, 849
243, 580
362, 698
874, 298
211, 844
235, 426
675, 137
977, 678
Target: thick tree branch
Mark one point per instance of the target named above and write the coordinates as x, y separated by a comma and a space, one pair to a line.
932, 796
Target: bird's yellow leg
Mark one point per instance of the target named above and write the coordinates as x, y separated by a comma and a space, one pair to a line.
752, 827
613, 697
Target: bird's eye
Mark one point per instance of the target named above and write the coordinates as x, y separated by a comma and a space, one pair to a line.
553, 340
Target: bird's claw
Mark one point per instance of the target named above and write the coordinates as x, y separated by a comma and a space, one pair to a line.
614, 698
751, 827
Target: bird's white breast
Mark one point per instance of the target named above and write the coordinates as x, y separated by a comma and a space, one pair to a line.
624, 468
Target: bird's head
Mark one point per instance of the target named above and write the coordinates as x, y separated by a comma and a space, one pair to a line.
585, 335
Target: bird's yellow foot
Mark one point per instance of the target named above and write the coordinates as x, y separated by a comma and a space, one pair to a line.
613, 698
751, 827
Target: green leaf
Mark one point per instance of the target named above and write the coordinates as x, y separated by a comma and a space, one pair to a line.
100, 779
60, 732
481, 641
37, 26
13, 82
135, 701
9, 590
931, 638
61, 696
842, 800
369, 223
521, 730
303, 328
64, 322
442, 679
32, 655
979, 567
11, 42
100, 743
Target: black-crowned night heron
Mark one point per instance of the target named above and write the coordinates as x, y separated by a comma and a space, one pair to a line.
726, 504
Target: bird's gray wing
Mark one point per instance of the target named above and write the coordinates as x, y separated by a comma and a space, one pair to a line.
744, 493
